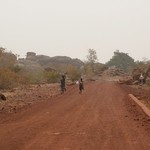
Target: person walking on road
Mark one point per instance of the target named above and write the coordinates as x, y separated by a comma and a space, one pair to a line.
81, 86
63, 84
141, 79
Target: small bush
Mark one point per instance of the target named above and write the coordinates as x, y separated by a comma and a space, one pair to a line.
33, 77
8, 79
52, 77
148, 82
73, 72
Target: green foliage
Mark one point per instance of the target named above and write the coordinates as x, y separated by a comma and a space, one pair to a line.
7, 60
99, 68
73, 72
16, 68
92, 56
61, 67
148, 83
52, 76
8, 78
91, 66
88, 70
141, 67
91, 60
121, 60
32, 77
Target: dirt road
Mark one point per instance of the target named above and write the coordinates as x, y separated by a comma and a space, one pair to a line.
97, 119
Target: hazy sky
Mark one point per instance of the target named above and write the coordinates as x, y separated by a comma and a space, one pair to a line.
71, 27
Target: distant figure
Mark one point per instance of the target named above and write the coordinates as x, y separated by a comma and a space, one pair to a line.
141, 79
64, 78
63, 84
81, 86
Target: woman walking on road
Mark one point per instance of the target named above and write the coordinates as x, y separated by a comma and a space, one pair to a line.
81, 86
63, 84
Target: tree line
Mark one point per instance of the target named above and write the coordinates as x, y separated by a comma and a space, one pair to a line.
12, 75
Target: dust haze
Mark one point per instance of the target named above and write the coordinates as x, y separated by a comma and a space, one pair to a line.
70, 28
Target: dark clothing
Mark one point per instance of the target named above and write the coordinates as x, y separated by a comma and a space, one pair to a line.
141, 79
62, 84
81, 86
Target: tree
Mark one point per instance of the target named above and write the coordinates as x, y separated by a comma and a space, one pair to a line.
121, 60
92, 58
7, 59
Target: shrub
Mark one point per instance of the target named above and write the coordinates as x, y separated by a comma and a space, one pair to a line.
52, 76
33, 77
73, 72
8, 79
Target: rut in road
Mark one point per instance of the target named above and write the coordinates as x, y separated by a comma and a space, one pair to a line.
97, 119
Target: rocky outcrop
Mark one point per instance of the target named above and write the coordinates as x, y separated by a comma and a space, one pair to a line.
42, 61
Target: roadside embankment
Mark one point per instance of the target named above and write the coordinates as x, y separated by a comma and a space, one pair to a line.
140, 106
